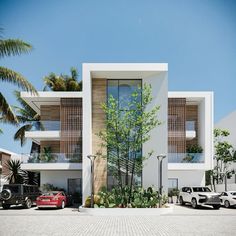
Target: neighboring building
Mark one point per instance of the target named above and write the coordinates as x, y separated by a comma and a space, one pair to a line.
71, 120
5, 156
228, 123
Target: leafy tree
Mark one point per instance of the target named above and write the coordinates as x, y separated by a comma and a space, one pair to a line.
63, 82
12, 47
225, 155
126, 131
27, 118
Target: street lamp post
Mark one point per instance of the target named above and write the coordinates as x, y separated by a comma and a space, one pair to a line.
92, 159
160, 159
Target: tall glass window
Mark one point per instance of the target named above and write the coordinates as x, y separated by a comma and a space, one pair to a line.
122, 90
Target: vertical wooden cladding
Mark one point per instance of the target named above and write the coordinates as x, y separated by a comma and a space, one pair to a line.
176, 125
71, 126
50, 113
55, 146
98, 123
4, 158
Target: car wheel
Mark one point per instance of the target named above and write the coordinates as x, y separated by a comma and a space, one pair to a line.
226, 204
217, 207
6, 206
62, 204
181, 201
194, 203
28, 204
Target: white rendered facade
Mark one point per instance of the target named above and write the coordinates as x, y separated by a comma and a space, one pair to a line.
155, 74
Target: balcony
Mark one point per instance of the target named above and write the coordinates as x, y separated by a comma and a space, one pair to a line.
190, 131
186, 158
51, 161
44, 130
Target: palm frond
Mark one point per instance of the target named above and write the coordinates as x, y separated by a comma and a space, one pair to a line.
6, 111
8, 75
12, 47
20, 134
74, 73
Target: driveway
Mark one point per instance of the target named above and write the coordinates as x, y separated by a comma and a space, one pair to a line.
183, 221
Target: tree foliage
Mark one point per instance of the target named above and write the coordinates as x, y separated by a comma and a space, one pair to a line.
63, 82
127, 129
12, 47
225, 155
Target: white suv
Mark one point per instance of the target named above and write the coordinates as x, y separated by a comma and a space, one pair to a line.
199, 196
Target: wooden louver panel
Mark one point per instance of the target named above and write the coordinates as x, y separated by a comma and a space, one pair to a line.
176, 125
71, 126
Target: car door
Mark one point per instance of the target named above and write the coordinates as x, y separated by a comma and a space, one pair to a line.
188, 194
223, 197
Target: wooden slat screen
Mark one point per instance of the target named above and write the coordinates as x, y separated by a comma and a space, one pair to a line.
176, 125
71, 126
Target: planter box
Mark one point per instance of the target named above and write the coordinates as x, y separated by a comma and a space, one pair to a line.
126, 211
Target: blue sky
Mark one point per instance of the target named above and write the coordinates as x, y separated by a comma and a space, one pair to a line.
195, 37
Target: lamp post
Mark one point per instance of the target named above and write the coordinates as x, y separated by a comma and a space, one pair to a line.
92, 159
160, 159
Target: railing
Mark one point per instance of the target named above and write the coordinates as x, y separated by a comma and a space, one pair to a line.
51, 158
186, 158
45, 125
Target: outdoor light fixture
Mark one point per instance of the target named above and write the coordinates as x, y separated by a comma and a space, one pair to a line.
92, 159
160, 159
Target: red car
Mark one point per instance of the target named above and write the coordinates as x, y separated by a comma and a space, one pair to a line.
54, 199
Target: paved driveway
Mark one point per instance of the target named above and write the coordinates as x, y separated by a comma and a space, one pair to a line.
183, 221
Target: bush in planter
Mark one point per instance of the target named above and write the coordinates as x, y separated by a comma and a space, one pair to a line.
141, 198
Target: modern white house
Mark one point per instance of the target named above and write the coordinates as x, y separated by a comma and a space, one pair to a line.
66, 134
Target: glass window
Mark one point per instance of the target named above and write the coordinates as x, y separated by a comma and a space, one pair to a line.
173, 184
122, 90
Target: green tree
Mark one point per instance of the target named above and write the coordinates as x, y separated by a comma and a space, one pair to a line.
27, 118
225, 155
126, 131
12, 47
63, 82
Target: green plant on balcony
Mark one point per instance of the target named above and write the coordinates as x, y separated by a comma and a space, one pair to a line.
191, 151
195, 148
47, 155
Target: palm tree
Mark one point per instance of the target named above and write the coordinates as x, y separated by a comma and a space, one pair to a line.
31, 178
12, 47
63, 82
26, 116
16, 175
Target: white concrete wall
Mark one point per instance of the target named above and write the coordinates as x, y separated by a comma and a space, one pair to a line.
58, 178
188, 177
158, 142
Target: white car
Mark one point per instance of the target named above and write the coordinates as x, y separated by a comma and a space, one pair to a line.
199, 196
228, 199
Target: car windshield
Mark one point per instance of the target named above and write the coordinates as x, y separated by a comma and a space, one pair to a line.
13, 188
201, 189
50, 194
233, 193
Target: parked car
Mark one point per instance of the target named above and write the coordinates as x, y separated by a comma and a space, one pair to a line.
228, 199
53, 199
19, 194
199, 196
